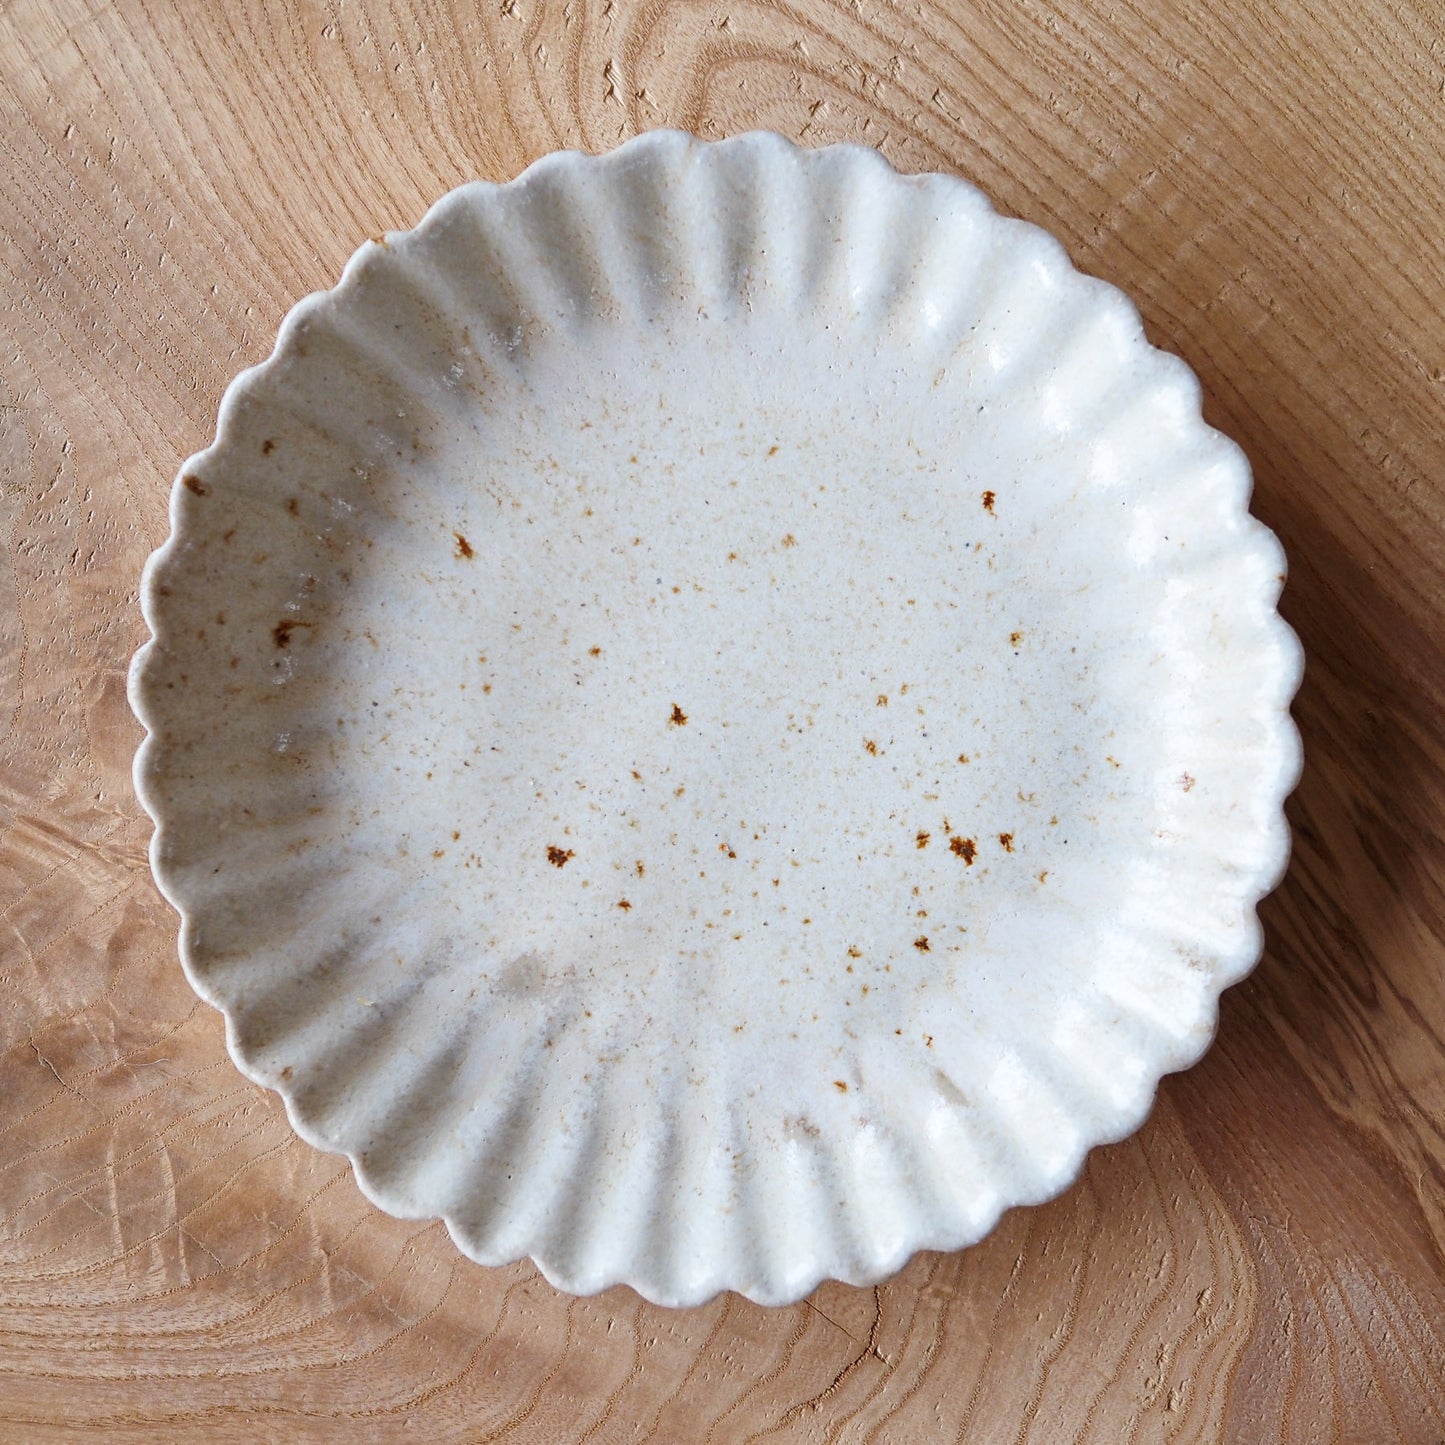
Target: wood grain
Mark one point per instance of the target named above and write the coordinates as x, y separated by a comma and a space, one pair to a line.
1265, 1260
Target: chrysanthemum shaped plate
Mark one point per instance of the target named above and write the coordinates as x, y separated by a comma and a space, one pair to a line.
716, 717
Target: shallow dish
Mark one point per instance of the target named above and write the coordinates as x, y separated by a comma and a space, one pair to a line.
716, 717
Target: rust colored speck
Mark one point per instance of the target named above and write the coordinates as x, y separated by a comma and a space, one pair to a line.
773, 450
854, 951
882, 699
921, 840
558, 857
267, 447
921, 943
789, 540
678, 718
964, 848
464, 548
641, 868
193, 483
1015, 638
624, 905
281, 633
870, 747
1186, 782
1006, 842
286, 1072
293, 506
841, 1087
594, 652
988, 500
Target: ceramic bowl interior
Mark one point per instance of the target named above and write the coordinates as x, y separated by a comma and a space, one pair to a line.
716, 717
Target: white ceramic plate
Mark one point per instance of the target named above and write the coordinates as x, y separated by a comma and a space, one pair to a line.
717, 717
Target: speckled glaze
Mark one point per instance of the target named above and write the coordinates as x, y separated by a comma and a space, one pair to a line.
716, 717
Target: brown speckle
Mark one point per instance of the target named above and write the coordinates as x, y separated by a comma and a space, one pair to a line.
921, 943
678, 718
594, 652
1186, 782
439, 852
267, 447
286, 1072
882, 699
1015, 638
964, 848
789, 540
841, 1087
921, 841
456, 836
724, 848
988, 500
193, 483
464, 548
293, 506
963, 757
1112, 761
870, 747
641, 868
1044, 876
773, 450
281, 633
854, 951
558, 857
1006, 842
624, 905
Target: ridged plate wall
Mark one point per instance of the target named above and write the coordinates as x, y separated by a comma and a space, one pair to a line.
716, 717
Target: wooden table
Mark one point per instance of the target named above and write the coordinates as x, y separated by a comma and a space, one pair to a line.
1265, 1260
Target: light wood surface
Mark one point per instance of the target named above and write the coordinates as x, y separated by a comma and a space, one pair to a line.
1265, 1260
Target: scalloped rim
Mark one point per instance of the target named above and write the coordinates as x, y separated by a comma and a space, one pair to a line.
1286, 739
